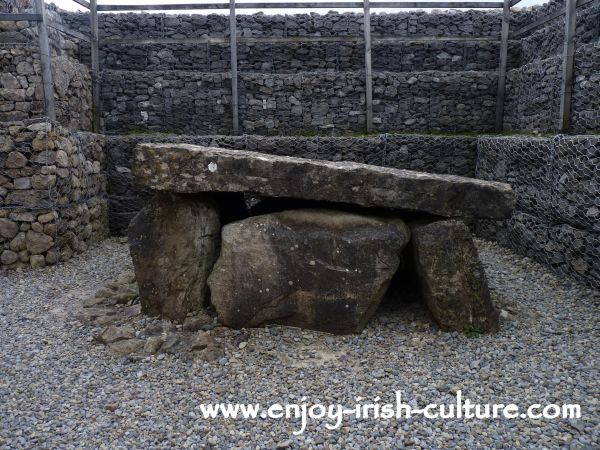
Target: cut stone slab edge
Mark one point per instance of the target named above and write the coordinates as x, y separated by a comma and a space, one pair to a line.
176, 168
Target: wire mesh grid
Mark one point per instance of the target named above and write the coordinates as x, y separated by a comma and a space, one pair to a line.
60, 189
557, 186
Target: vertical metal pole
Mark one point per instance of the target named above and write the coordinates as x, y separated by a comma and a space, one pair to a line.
502, 68
95, 66
96, 107
368, 72
46, 63
234, 71
568, 63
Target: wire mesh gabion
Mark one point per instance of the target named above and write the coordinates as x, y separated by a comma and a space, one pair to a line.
557, 184
52, 192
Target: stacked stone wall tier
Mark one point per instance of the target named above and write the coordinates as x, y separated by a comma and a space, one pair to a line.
296, 57
557, 184
547, 40
52, 192
308, 102
21, 92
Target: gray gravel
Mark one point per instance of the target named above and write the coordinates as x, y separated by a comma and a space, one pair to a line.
58, 388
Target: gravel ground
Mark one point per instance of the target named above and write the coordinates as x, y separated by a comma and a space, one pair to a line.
58, 388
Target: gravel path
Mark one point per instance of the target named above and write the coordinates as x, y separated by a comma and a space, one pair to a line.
60, 389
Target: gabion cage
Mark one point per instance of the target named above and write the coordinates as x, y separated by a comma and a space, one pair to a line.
557, 185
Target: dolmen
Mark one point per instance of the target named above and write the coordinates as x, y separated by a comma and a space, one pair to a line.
267, 239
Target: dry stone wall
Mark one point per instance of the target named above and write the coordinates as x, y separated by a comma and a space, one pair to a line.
52, 193
533, 90
533, 94
53, 196
295, 57
585, 100
21, 93
299, 88
167, 87
548, 39
287, 58
324, 103
556, 181
418, 86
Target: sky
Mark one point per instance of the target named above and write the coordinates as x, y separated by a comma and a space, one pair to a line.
70, 5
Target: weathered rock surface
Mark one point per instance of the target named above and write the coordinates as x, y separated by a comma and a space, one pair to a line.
207, 169
174, 242
114, 334
38, 242
126, 347
452, 278
320, 269
8, 228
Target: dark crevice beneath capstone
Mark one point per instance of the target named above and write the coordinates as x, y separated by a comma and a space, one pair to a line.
404, 288
266, 205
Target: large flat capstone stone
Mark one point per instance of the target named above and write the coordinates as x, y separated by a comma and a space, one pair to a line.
185, 168
319, 269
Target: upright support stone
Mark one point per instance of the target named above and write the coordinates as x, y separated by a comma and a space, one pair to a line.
234, 70
368, 68
95, 66
452, 278
174, 242
568, 63
46, 63
502, 67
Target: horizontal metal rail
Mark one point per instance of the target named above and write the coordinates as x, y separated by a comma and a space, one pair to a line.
303, 5
9, 17
83, 3
545, 19
295, 39
69, 32
3, 44
394, 39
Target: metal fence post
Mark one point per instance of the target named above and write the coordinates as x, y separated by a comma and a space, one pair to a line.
234, 71
45, 60
368, 69
568, 63
96, 107
502, 68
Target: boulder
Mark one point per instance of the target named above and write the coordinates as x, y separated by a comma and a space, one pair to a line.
185, 168
8, 257
38, 243
320, 269
15, 160
8, 228
451, 276
37, 261
174, 242
19, 242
